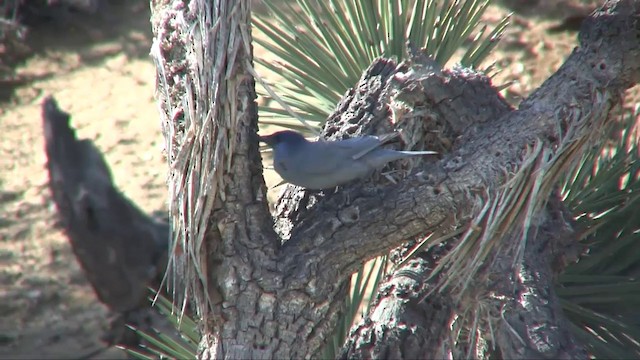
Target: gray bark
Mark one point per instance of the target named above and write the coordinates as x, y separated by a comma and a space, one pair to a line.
261, 299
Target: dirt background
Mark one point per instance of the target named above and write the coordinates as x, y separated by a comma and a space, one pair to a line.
99, 70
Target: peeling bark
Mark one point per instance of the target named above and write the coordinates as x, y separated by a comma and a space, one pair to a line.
266, 300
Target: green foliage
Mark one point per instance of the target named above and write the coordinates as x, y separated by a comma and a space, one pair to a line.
323, 47
163, 346
601, 292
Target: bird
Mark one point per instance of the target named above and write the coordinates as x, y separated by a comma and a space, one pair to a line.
324, 164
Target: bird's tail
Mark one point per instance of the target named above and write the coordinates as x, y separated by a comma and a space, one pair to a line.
412, 153
381, 157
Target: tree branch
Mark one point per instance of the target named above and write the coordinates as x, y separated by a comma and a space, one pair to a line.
525, 312
402, 324
266, 300
534, 325
332, 233
359, 222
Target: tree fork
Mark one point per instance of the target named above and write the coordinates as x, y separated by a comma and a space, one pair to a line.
266, 300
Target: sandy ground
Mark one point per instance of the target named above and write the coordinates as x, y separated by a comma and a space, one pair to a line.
99, 71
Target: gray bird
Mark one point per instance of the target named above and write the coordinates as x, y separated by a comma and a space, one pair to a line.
326, 164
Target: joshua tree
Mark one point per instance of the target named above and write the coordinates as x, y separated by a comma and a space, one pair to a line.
272, 285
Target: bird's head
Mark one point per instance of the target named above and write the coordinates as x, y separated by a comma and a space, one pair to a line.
288, 137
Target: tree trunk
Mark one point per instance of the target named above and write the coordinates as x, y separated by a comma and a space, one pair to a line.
268, 291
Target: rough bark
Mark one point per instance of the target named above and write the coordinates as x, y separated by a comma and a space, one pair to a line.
267, 300
406, 319
533, 325
122, 251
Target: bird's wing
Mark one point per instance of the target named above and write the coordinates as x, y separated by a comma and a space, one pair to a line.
357, 147
320, 158
317, 158
385, 138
